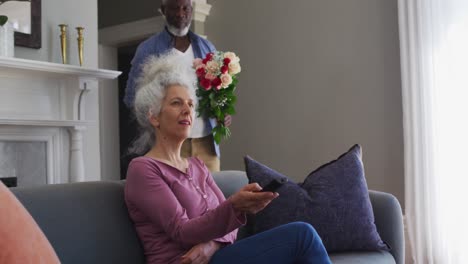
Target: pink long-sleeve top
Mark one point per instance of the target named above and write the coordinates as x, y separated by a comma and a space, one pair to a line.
174, 211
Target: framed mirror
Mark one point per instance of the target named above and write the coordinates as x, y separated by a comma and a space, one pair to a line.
25, 15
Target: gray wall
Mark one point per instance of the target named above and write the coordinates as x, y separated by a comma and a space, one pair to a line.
317, 77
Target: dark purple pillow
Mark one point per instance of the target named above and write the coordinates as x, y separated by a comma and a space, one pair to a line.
333, 198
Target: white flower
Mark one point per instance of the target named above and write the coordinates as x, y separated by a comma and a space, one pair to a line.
232, 56
234, 68
226, 80
212, 66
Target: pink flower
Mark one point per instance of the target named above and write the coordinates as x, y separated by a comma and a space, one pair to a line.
224, 69
216, 83
205, 83
201, 66
226, 80
200, 72
210, 76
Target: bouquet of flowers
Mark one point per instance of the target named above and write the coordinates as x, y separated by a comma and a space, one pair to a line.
217, 80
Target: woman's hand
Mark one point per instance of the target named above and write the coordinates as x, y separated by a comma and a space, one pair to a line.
250, 200
201, 253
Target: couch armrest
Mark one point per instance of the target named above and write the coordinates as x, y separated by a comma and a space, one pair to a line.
86, 222
389, 222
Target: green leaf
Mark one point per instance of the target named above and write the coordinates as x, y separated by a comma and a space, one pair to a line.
229, 89
213, 103
3, 20
230, 110
218, 113
216, 135
233, 99
201, 109
234, 82
223, 129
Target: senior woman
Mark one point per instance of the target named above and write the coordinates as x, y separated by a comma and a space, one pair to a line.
180, 215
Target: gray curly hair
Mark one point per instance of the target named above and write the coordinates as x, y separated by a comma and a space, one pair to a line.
158, 73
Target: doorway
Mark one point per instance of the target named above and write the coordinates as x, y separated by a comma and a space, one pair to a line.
127, 122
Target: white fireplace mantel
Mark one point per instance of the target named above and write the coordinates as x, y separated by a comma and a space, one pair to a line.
44, 95
8, 63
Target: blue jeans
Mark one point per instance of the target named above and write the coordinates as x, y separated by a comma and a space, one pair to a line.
296, 243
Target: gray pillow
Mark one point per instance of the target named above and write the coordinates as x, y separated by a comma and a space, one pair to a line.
333, 198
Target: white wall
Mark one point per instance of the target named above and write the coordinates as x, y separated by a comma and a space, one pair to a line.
317, 77
74, 13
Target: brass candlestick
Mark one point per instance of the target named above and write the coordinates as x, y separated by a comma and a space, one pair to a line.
80, 44
63, 42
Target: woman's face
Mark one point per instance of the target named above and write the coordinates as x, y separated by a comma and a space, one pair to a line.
177, 109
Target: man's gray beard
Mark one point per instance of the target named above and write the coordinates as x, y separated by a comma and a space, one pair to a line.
178, 32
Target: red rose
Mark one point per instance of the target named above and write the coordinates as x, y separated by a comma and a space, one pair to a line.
227, 61
209, 56
205, 60
224, 69
200, 72
216, 82
205, 83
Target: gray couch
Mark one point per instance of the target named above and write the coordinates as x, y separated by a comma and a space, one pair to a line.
88, 222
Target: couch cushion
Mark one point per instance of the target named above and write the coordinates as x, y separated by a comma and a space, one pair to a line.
85, 222
230, 181
334, 199
21, 240
363, 257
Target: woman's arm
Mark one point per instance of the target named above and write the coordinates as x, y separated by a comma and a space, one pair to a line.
241, 216
148, 191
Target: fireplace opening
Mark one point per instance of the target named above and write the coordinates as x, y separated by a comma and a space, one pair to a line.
23, 163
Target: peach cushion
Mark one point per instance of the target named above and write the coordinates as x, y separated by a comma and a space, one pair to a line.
21, 239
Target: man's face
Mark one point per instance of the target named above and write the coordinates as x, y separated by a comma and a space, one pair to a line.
178, 13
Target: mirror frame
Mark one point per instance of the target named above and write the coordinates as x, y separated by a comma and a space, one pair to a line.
33, 40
